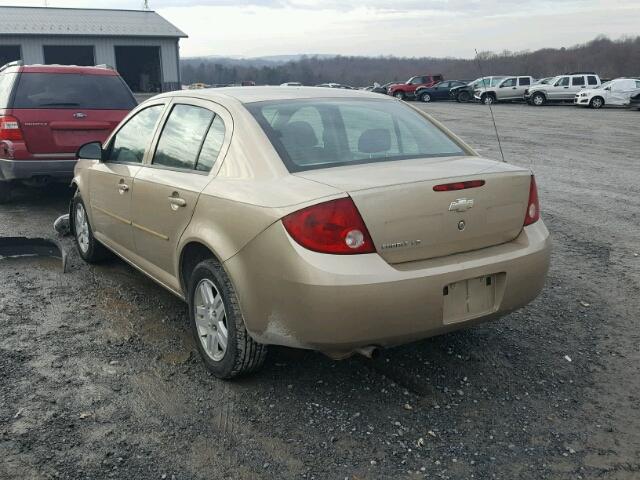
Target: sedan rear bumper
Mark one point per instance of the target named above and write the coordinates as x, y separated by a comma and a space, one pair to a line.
294, 297
25, 169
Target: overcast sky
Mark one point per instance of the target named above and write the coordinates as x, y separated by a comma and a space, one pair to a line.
381, 27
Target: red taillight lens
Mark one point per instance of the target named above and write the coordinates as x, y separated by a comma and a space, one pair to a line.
332, 227
533, 206
448, 187
10, 128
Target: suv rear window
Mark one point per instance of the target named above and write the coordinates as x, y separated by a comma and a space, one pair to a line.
6, 85
70, 90
323, 133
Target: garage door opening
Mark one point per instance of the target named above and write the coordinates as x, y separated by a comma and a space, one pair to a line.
69, 55
140, 68
9, 53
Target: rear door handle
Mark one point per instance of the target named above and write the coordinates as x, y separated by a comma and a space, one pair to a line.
123, 187
177, 202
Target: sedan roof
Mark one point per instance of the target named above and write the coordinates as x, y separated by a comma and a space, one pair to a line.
261, 94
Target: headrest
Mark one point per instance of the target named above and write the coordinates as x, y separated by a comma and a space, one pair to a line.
299, 134
375, 140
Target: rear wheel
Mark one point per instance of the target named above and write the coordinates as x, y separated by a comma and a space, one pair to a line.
596, 102
463, 97
5, 191
399, 95
538, 99
89, 248
425, 97
217, 324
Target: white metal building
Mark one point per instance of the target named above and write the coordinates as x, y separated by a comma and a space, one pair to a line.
140, 44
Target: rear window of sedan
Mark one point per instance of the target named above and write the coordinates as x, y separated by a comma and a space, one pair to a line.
70, 90
322, 133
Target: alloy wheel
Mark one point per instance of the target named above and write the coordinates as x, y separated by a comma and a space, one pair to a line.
82, 228
211, 319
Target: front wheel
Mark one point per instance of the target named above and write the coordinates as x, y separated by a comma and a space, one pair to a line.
464, 97
425, 97
217, 324
538, 100
596, 102
488, 99
89, 248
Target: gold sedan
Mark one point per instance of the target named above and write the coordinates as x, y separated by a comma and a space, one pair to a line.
333, 220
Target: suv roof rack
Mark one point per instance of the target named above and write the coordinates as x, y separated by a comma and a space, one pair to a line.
581, 73
17, 63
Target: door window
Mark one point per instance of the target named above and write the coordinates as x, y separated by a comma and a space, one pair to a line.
509, 82
211, 146
592, 80
563, 82
577, 81
524, 81
132, 140
182, 137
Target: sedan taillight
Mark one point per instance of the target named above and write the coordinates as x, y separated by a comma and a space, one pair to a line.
10, 128
334, 227
533, 205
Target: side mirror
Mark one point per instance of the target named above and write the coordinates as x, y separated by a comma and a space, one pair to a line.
90, 151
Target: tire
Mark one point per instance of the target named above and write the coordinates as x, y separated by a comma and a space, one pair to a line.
5, 192
488, 99
399, 95
463, 97
208, 284
538, 100
89, 248
596, 102
425, 97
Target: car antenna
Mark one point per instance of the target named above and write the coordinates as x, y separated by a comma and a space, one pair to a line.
493, 118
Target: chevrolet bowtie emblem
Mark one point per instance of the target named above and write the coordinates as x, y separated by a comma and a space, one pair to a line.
461, 205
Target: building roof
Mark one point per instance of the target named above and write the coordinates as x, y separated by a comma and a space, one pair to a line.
85, 22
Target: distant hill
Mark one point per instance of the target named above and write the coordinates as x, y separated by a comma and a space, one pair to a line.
609, 58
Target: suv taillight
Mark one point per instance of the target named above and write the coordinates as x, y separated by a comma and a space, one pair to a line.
334, 227
533, 205
10, 128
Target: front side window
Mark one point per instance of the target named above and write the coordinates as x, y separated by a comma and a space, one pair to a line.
182, 137
563, 82
509, 82
416, 80
344, 132
71, 90
577, 81
133, 139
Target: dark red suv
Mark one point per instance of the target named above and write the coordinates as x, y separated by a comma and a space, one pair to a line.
47, 112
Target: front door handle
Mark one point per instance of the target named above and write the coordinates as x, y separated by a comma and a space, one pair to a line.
177, 202
123, 187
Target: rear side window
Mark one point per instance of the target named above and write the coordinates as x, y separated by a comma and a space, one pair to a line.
6, 85
182, 137
211, 146
313, 134
577, 81
592, 80
523, 81
70, 90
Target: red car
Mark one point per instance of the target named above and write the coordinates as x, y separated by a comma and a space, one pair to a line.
407, 90
47, 112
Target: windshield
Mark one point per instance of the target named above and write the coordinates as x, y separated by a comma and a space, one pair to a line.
487, 82
66, 90
606, 84
322, 133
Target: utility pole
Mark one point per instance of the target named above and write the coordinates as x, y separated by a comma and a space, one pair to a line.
145, 5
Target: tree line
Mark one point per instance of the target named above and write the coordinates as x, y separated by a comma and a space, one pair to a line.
609, 58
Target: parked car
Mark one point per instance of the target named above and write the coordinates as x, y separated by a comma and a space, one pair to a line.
465, 93
407, 90
440, 91
544, 81
617, 92
340, 223
47, 112
335, 85
634, 102
291, 84
508, 90
563, 88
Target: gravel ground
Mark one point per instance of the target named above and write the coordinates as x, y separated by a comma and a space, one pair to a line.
99, 377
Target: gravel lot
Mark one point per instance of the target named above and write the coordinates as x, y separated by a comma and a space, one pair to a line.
99, 377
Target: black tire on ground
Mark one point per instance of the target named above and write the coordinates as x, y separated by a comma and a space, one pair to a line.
596, 102
91, 250
243, 355
538, 99
5, 191
425, 97
399, 95
488, 99
463, 97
